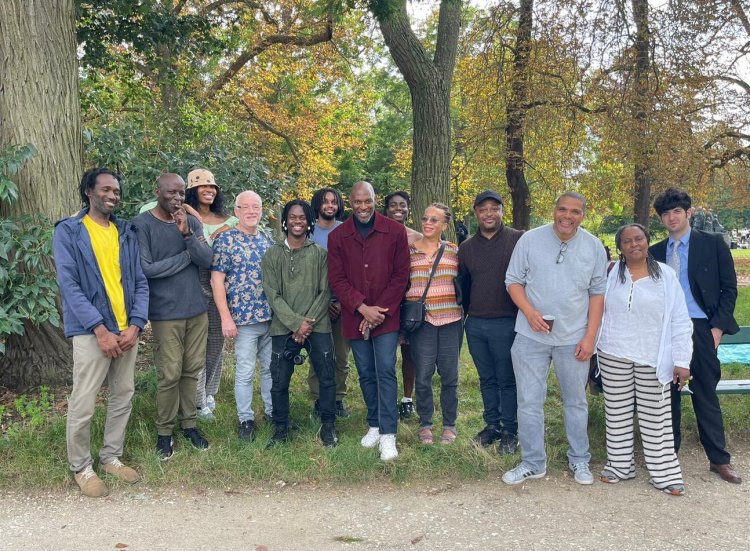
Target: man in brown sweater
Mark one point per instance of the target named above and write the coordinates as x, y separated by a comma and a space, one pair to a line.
491, 318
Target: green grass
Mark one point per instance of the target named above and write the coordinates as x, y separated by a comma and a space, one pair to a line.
742, 308
741, 261
35, 456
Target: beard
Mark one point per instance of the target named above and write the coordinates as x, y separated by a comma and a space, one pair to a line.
327, 217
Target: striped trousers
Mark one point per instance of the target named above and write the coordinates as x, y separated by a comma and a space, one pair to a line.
628, 385
210, 375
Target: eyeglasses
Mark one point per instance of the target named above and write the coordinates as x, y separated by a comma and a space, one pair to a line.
432, 220
248, 207
561, 254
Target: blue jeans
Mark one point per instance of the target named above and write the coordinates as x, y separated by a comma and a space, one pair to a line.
376, 364
490, 340
531, 362
253, 344
437, 346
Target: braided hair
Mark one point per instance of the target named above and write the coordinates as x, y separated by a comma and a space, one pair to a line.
306, 208
654, 270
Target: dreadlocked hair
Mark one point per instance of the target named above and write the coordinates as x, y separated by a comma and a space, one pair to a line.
654, 270
306, 208
319, 196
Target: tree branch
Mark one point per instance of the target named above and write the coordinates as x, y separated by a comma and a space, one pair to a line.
741, 15
324, 35
728, 134
449, 26
268, 127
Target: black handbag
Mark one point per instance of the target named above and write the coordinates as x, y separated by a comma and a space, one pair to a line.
413, 311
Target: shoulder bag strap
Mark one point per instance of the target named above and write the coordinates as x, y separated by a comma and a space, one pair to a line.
434, 267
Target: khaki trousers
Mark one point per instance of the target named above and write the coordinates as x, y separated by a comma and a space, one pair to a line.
179, 355
90, 369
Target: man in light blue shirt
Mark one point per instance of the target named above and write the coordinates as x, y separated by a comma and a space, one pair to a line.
329, 209
560, 270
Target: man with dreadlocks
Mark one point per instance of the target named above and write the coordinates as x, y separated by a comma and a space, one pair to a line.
105, 306
295, 281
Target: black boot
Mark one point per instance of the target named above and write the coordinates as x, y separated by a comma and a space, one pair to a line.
280, 436
328, 435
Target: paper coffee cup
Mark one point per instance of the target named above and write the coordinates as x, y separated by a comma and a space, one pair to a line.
549, 320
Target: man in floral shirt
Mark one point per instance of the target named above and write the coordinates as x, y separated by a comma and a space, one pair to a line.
244, 310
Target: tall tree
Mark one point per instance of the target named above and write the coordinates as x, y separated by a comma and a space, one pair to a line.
39, 106
641, 105
516, 113
429, 79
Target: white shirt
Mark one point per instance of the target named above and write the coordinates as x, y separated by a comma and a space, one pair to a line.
635, 318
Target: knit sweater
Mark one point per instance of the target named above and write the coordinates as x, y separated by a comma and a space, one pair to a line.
440, 301
483, 263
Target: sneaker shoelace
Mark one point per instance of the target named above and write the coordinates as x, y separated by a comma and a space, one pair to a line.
116, 463
87, 473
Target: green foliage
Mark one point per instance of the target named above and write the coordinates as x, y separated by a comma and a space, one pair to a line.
12, 159
35, 411
27, 282
148, 27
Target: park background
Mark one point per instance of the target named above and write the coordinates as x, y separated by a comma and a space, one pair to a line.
614, 99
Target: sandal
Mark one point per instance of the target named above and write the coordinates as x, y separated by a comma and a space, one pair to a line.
608, 477
675, 490
448, 437
425, 435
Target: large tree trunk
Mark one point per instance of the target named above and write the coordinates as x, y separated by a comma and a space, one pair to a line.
516, 125
39, 104
642, 145
429, 82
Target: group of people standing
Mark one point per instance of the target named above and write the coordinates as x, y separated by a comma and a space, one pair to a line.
327, 286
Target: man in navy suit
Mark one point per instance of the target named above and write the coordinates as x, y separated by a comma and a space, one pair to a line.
705, 269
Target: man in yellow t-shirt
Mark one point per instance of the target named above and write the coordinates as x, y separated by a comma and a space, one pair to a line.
105, 306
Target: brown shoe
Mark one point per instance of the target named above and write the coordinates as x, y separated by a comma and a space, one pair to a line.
726, 472
91, 485
448, 437
121, 471
425, 435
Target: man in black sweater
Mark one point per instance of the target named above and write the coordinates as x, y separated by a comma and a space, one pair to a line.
172, 249
491, 319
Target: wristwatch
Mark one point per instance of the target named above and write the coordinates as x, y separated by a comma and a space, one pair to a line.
188, 234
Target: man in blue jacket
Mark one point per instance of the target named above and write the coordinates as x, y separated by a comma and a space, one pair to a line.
105, 306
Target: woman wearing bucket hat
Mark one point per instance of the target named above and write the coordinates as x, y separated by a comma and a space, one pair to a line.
204, 195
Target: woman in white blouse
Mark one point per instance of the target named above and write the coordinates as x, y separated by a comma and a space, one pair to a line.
644, 345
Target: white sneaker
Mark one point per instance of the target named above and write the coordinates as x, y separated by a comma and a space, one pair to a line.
210, 402
388, 449
371, 439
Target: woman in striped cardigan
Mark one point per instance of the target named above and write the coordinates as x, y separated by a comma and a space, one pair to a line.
437, 342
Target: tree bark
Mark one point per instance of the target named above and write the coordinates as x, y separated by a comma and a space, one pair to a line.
39, 104
429, 82
642, 144
515, 128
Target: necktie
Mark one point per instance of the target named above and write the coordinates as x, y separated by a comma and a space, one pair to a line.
674, 260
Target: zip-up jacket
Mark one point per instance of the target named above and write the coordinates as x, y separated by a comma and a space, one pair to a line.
84, 297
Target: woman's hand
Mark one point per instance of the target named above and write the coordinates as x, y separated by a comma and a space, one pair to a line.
681, 376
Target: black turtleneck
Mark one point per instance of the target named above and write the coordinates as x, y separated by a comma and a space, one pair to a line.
364, 228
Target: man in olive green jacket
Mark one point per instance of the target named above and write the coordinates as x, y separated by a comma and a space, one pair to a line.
295, 281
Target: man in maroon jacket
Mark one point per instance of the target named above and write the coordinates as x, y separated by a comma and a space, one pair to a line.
368, 267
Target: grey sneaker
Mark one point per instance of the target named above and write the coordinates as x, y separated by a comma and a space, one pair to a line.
521, 473
581, 473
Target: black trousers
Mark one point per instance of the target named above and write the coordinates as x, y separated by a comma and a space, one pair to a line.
322, 357
705, 370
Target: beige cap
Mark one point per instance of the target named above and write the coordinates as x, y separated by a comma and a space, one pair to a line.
201, 177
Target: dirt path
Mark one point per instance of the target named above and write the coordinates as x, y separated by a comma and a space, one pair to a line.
554, 513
